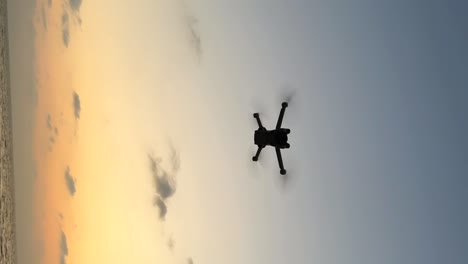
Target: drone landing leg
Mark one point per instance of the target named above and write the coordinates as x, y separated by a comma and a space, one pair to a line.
280, 118
280, 161
255, 158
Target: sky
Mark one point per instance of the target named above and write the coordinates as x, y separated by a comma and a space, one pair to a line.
133, 131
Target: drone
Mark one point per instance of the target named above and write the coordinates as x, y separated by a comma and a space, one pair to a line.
277, 138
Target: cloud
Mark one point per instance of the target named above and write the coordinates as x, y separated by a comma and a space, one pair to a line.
52, 139
76, 105
194, 37
71, 13
56, 131
158, 202
175, 159
75, 5
66, 36
164, 181
189, 261
65, 29
170, 243
63, 248
190, 22
49, 121
70, 181
44, 17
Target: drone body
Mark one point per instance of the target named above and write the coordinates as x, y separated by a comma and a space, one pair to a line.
277, 138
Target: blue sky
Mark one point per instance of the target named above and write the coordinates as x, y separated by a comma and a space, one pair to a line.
379, 139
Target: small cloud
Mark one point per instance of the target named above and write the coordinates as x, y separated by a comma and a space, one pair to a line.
76, 105
35, 175
44, 17
158, 202
189, 261
70, 182
194, 37
175, 159
63, 248
170, 243
49, 121
190, 23
70, 17
75, 5
65, 29
163, 181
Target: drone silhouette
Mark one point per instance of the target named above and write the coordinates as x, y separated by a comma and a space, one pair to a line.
277, 138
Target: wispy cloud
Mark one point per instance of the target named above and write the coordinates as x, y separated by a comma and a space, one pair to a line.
63, 248
44, 17
65, 29
75, 5
76, 105
70, 182
175, 159
164, 181
165, 186
71, 13
158, 202
170, 243
49, 121
193, 35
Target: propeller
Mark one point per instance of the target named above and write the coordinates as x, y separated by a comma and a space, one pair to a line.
287, 94
253, 168
286, 182
258, 105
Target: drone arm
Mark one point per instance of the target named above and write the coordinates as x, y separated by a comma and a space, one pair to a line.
280, 118
280, 160
259, 122
255, 158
